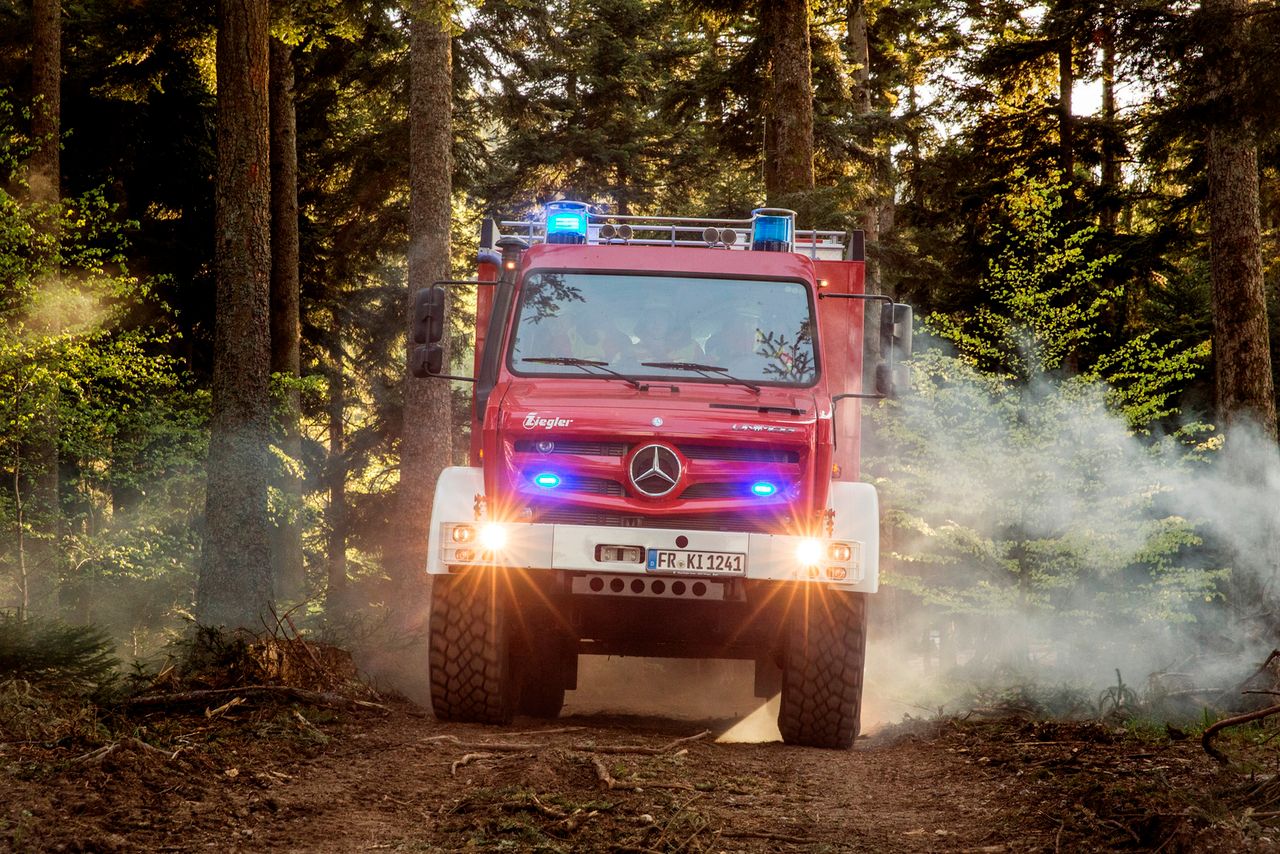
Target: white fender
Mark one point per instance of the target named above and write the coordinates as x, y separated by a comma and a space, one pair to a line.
455, 501
857, 517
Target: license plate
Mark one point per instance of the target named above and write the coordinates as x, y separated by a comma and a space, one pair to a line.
715, 563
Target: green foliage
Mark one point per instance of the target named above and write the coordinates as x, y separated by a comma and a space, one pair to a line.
1047, 294
70, 659
121, 418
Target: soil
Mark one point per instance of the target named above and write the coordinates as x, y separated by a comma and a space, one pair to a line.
267, 776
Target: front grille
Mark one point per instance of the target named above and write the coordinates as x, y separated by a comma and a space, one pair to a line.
691, 522
726, 489
739, 453
573, 446
594, 485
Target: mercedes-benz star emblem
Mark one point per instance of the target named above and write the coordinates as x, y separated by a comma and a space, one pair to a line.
657, 421
655, 470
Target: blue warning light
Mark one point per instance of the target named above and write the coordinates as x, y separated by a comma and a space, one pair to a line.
567, 222
547, 479
763, 488
772, 230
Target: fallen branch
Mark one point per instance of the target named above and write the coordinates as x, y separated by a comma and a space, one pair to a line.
1206, 740
640, 749
607, 780
94, 757
467, 760
315, 698
772, 837
500, 746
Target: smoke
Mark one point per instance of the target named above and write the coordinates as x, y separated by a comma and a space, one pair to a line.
1036, 543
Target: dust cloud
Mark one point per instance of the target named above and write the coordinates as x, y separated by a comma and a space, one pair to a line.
1037, 543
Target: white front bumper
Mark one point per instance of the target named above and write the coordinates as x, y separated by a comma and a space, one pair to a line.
572, 548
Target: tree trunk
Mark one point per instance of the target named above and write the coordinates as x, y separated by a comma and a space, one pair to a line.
859, 52
1112, 139
45, 166
1241, 346
1066, 82
286, 536
337, 477
44, 177
792, 101
19, 511
426, 445
234, 587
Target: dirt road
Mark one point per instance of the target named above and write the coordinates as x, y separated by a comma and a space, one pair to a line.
299, 779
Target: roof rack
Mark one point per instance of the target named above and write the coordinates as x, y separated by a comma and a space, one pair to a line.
693, 232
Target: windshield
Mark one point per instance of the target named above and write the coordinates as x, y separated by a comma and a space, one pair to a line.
759, 331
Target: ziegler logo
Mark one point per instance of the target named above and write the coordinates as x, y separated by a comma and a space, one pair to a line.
764, 428
533, 422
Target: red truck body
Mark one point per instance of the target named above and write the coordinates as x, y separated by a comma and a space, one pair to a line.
761, 542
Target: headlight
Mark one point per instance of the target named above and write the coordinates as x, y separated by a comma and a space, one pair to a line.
463, 534
809, 552
840, 552
493, 537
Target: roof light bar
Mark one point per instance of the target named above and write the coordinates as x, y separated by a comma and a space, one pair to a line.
566, 222
773, 230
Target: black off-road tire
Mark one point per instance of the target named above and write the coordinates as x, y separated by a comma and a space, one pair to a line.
542, 668
470, 650
822, 665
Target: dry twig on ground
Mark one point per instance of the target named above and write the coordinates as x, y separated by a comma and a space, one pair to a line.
315, 698
641, 749
94, 757
1206, 740
606, 779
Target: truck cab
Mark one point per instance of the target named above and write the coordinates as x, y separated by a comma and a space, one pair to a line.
664, 462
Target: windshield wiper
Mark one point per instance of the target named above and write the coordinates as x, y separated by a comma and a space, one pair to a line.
705, 370
584, 364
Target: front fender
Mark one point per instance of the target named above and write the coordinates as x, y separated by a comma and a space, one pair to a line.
455, 501
857, 509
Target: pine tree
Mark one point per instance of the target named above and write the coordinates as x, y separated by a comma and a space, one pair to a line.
426, 446
235, 573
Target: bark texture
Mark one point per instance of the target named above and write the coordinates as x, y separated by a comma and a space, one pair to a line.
44, 175
426, 445
792, 103
859, 62
234, 587
286, 536
1066, 82
336, 568
1241, 345
44, 184
1112, 139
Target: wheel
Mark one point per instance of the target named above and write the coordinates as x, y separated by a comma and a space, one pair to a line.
822, 662
470, 650
543, 665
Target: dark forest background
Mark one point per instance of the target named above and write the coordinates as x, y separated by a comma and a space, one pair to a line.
1037, 179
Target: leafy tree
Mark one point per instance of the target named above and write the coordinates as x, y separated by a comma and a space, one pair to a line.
1048, 297
127, 426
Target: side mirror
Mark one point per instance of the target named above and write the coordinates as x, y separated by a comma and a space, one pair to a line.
427, 360
428, 315
892, 376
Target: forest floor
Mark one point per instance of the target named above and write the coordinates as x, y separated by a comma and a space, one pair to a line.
268, 775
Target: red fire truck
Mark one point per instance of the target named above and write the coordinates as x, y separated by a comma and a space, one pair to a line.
664, 461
